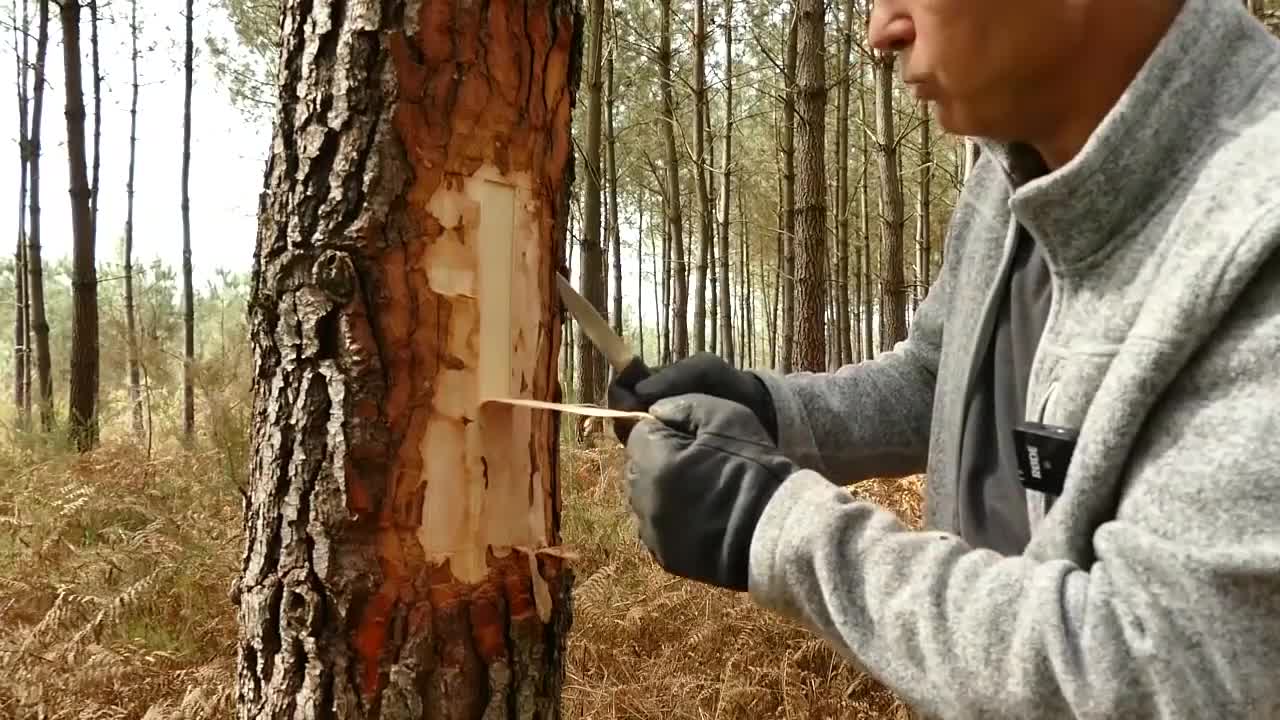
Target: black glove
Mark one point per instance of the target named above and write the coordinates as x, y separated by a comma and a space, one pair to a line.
704, 373
698, 479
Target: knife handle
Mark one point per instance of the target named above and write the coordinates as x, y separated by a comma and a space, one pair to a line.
622, 397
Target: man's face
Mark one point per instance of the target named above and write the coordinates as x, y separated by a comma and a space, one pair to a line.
989, 66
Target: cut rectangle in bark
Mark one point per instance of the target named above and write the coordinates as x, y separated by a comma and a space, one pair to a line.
402, 553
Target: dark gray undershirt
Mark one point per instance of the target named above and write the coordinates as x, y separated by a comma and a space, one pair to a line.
992, 502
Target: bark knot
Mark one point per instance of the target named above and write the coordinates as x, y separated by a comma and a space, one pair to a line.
335, 274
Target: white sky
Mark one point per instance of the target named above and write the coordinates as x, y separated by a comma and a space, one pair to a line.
228, 150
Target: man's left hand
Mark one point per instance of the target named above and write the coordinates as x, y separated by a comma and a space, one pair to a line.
698, 480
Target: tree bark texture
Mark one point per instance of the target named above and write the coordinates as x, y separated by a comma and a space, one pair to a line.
130, 312
893, 299
727, 343
83, 420
811, 189
401, 536
188, 294
675, 221
844, 344
35, 265
700, 173
788, 348
864, 213
592, 373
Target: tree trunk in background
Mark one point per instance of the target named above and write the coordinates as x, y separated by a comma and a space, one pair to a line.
411, 227
727, 344
892, 285
868, 314
615, 232
640, 275
135, 379
811, 189
924, 227
39, 324
188, 296
843, 312
789, 195
21, 314
591, 370
675, 221
82, 411
700, 173
97, 119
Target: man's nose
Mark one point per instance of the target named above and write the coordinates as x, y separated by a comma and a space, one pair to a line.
891, 28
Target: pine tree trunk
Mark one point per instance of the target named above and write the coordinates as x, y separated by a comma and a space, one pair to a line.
640, 275
892, 284
841, 286
675, 219
615, 231
401, 552
700, 174
727, 343
591, 370
788, 348
21, 334
924, 227
39, 324
188, 295
97, 119
811, 189
868, 314
82, 420
135, 379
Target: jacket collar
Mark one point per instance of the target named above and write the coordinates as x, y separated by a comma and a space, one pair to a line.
1156, 133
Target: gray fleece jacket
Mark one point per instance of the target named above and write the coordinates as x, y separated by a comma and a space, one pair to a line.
1151, 587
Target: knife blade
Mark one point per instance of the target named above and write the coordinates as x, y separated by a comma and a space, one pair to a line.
628, 367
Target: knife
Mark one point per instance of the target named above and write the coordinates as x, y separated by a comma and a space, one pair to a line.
628, 367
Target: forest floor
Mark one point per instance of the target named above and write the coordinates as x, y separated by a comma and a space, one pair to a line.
115, 572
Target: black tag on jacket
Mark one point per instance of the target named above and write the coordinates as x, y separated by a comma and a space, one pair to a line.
1044, 453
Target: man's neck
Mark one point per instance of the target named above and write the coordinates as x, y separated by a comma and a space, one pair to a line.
1121, 36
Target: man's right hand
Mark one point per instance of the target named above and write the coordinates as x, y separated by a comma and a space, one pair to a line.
704, 373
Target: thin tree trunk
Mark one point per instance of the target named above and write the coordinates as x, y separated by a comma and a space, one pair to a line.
843, 310
21, 334
369, 588
39, 324
893, 286
97, 119
811, 189
680, 291
868, 314
924, 226
615, 233
188, 295
640, 275
726, 182
135, 378
789, 195
83, 419
591, 370
700, 174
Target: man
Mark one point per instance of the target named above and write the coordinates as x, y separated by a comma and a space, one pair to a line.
1110, 274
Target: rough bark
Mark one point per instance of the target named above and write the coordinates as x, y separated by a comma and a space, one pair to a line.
400, 557
188, 296
82, 411
924, 224
728, 346
592, 375
130, 313
811, 189
39, 324
892, 284
700, 174
679, 295
788, 349
844, 339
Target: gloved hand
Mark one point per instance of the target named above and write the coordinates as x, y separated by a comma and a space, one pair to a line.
704, 373
698, 479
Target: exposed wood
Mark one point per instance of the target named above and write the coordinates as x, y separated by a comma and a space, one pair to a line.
39, 324
82, 406
130, 312
188, 295
401, 540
